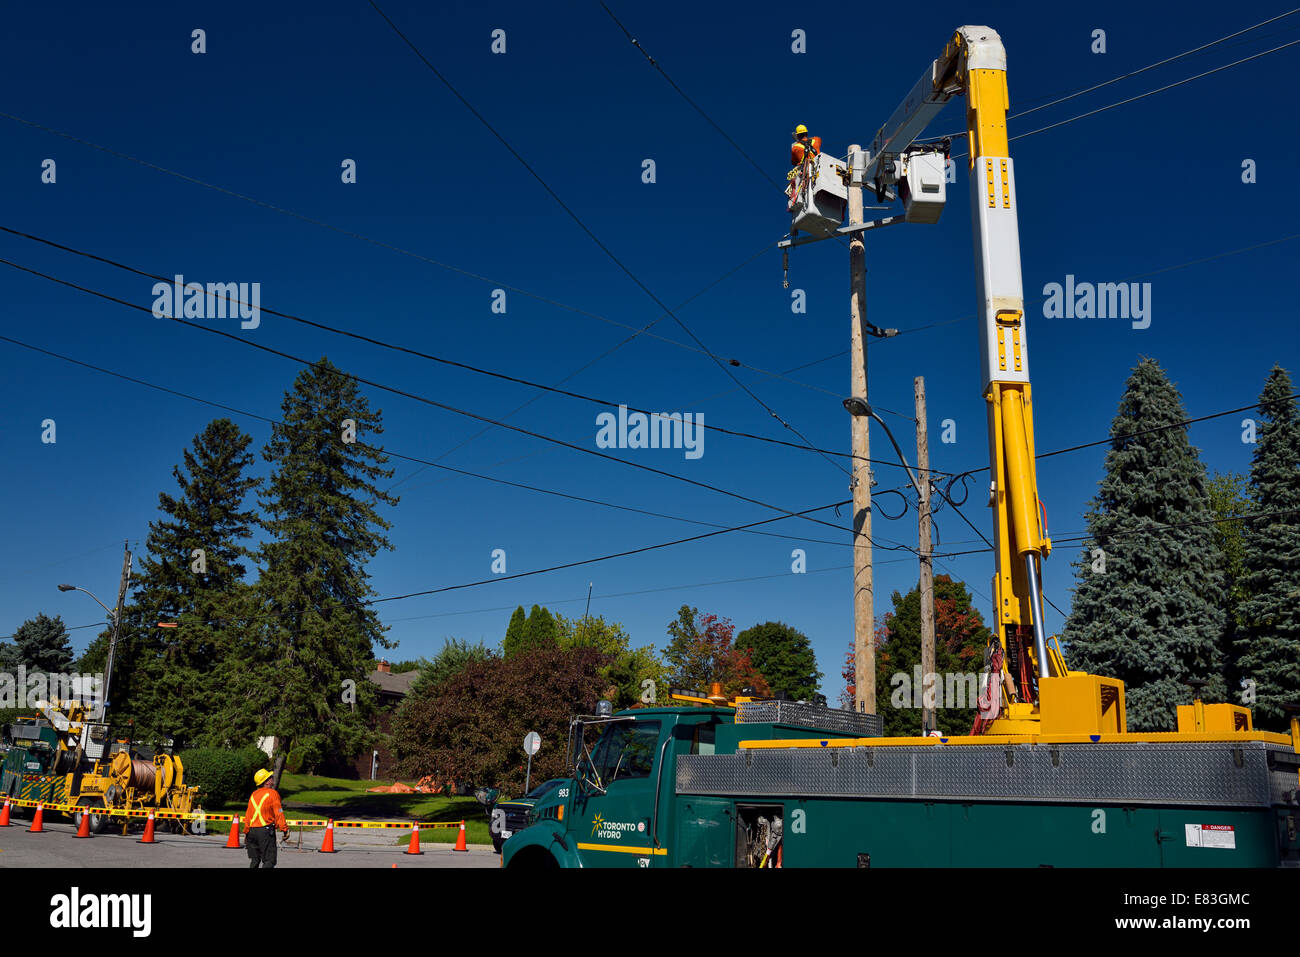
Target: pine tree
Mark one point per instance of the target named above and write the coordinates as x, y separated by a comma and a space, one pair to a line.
164, 681
514, 632
42, 644
1268, 648
1230, 496
785, 657
1149, 604
300, 670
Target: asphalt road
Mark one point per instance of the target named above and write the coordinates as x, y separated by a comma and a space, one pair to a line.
57, 847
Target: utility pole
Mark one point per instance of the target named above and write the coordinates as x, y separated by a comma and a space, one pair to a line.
864, 647
117, 624
928, 677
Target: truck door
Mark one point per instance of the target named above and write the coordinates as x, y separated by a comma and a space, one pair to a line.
613, 827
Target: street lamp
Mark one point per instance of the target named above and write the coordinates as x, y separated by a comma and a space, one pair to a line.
112, 642
861, 408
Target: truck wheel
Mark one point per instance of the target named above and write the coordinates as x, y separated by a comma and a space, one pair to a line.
94, 808
18, 810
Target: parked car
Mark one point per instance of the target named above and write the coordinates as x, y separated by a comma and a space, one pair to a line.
511, 817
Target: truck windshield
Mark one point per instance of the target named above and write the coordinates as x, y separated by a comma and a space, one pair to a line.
625, 750
539, 792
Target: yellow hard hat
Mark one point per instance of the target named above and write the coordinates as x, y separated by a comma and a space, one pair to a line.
261, 776
800, 129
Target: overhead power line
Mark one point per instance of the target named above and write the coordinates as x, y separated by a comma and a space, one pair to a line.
609, 253
465, 366
1152, 66
604, 558
1162, 89
1124, 76
447, 468
431, 402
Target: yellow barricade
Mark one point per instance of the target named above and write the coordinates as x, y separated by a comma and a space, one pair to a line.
160, 814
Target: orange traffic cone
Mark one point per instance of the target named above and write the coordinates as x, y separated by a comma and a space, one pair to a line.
4, 815
38, 821
83, 829
327, 847
148, 831
414, 847
460, 839
233, 840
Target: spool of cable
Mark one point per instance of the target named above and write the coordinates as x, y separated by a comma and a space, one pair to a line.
142, 775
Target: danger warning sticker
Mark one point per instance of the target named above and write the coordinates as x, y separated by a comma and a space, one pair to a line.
1211, 835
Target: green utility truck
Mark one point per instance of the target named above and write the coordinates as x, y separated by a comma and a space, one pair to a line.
791, 784
34, 766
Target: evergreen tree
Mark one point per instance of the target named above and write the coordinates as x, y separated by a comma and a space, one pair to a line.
165, 681
536, 632
1149, 604
1268, 649
446, 664
785, 657
514, 632
1230, 495
300, 669
42, 644
540, 630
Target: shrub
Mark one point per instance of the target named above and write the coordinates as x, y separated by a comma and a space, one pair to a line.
223, 776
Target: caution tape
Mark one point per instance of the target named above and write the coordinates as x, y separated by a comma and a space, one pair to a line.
205, 816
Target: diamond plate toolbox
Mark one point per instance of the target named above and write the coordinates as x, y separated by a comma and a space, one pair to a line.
806, 715
1200, 773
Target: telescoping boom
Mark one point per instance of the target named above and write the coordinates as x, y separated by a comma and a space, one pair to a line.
974, 63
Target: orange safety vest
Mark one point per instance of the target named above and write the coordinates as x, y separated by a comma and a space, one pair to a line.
264, 809
799, 149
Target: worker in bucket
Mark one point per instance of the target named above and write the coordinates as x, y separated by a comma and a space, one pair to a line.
803, 149
803, 146
265, 815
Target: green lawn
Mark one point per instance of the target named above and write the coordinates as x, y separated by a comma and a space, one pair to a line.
312, 796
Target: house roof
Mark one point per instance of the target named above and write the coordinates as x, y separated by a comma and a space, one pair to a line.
396, 684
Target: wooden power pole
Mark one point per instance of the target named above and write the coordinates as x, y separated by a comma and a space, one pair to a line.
928, 690
864, 648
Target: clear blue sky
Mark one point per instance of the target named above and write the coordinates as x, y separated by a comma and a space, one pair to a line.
280, 100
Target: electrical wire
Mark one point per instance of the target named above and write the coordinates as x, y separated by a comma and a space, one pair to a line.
604, 558
1124, 76
641, 591
478, 370
412, 458
1132, 99
609, 253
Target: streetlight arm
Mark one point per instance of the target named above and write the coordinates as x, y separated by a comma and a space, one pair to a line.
916, 484
92, 595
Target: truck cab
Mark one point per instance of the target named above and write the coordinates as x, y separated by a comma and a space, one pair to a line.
620, 807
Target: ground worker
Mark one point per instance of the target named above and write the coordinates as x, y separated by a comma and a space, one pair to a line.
265, 815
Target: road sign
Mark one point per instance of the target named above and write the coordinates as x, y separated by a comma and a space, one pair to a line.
532, 742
